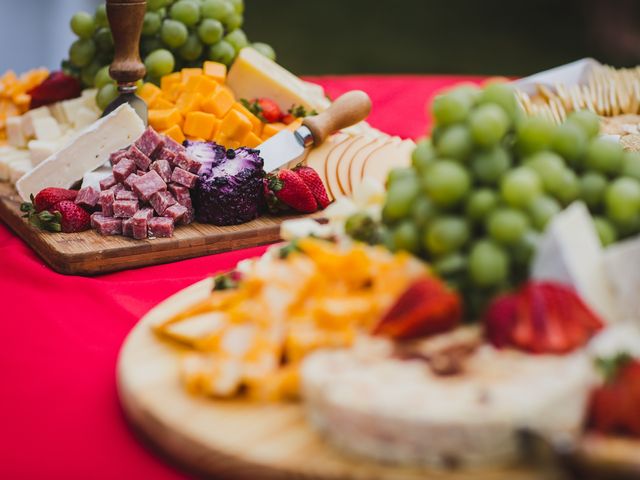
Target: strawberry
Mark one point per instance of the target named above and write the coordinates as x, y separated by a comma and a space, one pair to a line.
65, 216
48, 197
270, 110
314, 182
57, 87
425, 308
288, 119
291, 190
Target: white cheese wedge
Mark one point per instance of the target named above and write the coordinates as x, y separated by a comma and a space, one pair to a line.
29, 117
85, 117
40, 150
254, 75
15, 135
47, 129
86, 152
570, 252
622, 265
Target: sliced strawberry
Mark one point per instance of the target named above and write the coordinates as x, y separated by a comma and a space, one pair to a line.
290, 189
57, 87
270, 110
499, 320
311, 178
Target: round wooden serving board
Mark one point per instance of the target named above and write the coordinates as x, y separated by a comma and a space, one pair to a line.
239, 439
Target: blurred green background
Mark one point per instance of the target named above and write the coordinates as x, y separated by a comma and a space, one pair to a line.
501, 37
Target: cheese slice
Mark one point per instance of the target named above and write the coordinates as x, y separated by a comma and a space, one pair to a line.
86, 152
570, 252
253, 75
355, 169
347, 157
318, 156
621, 262
385, 159
331, 166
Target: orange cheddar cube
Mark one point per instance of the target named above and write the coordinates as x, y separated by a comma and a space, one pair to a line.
235, 125
251, 140
199, 124
219, 103
293, 126
196, 139
169, 80
176, 133
225, 141
216, 128
216, 71
165, 119
256, 123
174, 92
188, 102
162, 104
270, 129
187, 73
149, 93
201, 84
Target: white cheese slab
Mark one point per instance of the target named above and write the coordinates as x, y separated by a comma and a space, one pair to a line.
92, 179
86, 152
40, 150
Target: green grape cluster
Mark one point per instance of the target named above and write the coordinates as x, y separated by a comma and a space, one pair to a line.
175, 34
483, 188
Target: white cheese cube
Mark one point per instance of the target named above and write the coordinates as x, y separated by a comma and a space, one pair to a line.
85, 117
303, 227
89, 99
14, 132
18, 169
46, 129
57, 112
29, 117
9, 156
40, 150
71, 107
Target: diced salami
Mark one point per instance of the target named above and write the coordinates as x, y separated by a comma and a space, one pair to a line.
188, 217
126, 195
141, 160
186, 162
176, 212
163, 167
141, 172
130, 179
127, 227
160, 201
144, 213
182, 195
118, 155
172, 145
184, 178
108, 182
150, 142
148, 184
123, 169
118, 187
107, 197
88, 197
140, 221
108, 225
160, 227
168, 155
95, 215
125, 208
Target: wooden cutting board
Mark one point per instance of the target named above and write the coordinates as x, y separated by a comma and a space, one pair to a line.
88, 253
240, 439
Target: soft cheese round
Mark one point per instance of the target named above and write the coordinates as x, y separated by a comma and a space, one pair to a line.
369, 403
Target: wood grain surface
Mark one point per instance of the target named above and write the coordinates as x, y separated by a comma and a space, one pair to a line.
88, 253
241, 439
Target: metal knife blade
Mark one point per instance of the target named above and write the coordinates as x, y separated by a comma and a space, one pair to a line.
282, 148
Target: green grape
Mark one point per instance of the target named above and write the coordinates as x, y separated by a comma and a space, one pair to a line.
150, 44
102, 77
104, 40
446, 182
570, 141
522, 252
450, 108
238, 6
503, 95
82, 52
100, 18
88, 74
480, 204
107, 94
606, 231
362, 227
265, 49
588, 121
488, 166
154, 5
192, 49
455, 142
470, 92
507, 225
520, 186
445, 235
534, 134
547, 165
622, 199
566, 187
604, 155
159, 63
233, 22
152, 23
210, 31
406, 237
542, 209
83, 24
423, 211
237, 39
423, 155
488, 124
450, 264
400, 197
399, 174
216, 9
631, 165
488, 264
592, 188
222, 52
185, 11
173, 33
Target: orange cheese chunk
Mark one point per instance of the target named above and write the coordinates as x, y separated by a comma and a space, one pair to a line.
189, 102
175, 91
251, 140
201, 84
165, 119
162, 104
199, 124
149, 93
219, 103
196, 139
235, 125
225, 141
216, 128
255, 121
270, 129
169, 81
295, 124
176, 133
187, 73
215, 70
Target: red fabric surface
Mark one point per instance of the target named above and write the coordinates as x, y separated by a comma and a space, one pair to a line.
60, 335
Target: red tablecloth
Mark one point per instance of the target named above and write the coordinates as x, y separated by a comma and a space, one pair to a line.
60, 336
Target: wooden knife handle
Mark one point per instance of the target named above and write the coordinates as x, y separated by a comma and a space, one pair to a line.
125, 19
347, 110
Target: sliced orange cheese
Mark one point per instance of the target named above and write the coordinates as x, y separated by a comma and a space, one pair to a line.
176, 133
216, 71
165, 119
199, 124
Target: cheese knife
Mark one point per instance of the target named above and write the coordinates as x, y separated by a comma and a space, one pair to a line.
125, 19
287, 145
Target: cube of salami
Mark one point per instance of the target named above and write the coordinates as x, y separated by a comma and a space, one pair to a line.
93, 217
148, 184
125, 194
163, 167
182, 194
107, 198
188, 217
125, 208
118, 187
184, 178
175, 212
160, 227
127, 227
88, 197
108, 182
123, 169
118, 155
172, 145
150, 142
160, 201
140, 222
129, 180
168, 155
186, 162
142, 161
108, 225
